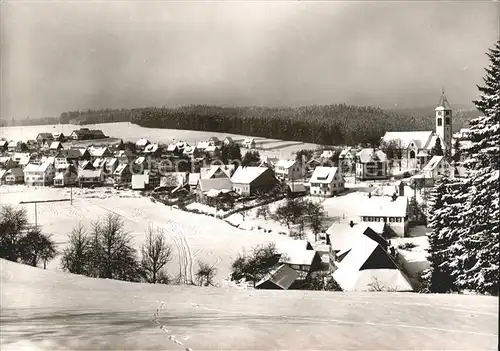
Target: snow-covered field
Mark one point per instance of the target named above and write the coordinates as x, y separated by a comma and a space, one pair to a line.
132, 132
193, 237
47, 310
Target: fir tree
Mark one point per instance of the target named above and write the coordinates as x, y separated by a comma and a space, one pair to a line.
447, 224
437, 149
480, 243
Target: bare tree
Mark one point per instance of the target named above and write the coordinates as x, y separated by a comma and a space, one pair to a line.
376, 285
112, 250
156, 253
316, 216
205, 274
76, 256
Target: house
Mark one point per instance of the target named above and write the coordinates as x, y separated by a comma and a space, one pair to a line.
3, 145
191, 151
90, 177
371, 164
6, 162
86, 134
202, 145
343, 236
99, 152
67, 177
42, 138
152, 150
327, 154
13, 146
266, 161
59, 137
193, 180
347, 159
212, 150
438, 166
64, 158
393, 211
280, 278
110, 165
3, 173
14, 176
296, 188
22, 158
145, 181
249, 143
214, 141
326, 182
122, 174
206, 185
217, 171
141, 144
248, 181
228, 141
368, 267
39, 174
294, 254
86, 164
55, 146
288, 170
172, 150
99, 163
124, 156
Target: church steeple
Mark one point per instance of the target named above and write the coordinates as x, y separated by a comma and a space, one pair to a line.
444, 120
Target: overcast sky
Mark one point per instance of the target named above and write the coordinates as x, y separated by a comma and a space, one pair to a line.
72, 55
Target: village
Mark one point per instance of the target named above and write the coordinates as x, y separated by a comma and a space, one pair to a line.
228, 180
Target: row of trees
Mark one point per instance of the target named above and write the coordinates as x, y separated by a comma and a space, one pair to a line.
20, 242
107, 251
464, 214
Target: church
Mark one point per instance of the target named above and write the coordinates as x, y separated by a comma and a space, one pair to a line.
416, 146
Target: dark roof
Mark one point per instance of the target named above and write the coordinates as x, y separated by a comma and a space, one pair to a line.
283, 277
70, 153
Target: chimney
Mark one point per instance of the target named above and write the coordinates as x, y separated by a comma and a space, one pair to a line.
351, 224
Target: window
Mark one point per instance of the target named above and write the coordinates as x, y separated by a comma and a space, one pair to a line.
412, 154
447, 120
440, 122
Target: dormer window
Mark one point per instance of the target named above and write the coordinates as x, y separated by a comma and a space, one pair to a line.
440, 122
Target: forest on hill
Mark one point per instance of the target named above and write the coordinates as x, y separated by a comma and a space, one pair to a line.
321, 124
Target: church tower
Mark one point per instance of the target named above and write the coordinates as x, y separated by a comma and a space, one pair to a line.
444, 121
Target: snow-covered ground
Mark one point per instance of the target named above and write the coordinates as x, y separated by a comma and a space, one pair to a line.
47, 310
132, 132
193, 236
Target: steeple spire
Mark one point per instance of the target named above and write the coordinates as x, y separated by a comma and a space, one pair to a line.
443, 101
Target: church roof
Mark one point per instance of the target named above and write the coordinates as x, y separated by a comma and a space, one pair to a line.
443, 103
420, 138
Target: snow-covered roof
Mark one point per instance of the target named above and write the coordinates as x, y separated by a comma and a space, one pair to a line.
202, 145
12, 144
283, 277
55, 145
301, 257
285, 163
98, 151
327, 154
139, 181
248, 140
142, 142
211, 148
246, 175
420, 138
323, 175
3, 172
171, 147
345, 152
215, 183
151, 148
433, 163
209, 172
193, 179
90, 173
432, 142
140, 160
370, 155
353, 276
422, 153
189, 149
110, 161
32, 167
120, 168
24, 159
385, 206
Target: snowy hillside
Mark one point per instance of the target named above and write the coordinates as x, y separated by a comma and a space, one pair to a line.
49, 310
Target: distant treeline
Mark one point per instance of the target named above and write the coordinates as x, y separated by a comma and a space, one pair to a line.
321, 124
28, 121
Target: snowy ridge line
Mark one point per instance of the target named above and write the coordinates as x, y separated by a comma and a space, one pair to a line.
162, 327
